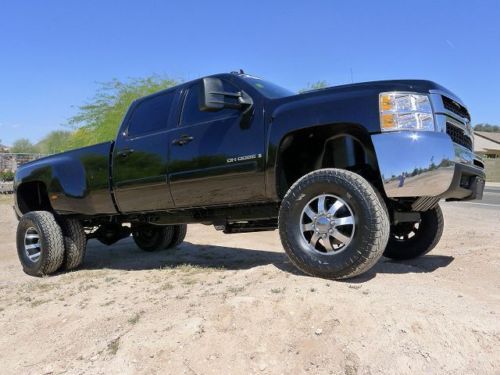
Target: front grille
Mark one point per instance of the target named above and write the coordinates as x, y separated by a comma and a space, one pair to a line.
455, 107
458, 136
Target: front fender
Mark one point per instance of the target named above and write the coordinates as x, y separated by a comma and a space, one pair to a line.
347, 112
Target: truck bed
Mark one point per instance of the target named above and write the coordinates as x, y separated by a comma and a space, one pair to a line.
78, 180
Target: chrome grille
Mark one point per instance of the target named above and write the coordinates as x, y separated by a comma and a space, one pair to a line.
458, 136
455, 107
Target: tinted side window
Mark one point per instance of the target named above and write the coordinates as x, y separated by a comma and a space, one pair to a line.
151, 114
191, 113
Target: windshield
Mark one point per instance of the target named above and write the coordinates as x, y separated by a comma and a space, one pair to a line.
267, 88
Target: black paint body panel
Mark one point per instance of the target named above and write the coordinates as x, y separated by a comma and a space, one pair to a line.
161, 175
77, 181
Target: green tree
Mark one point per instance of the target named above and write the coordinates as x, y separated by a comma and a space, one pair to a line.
6, 176
24, 145
99, 119
315, 86
54, 142
487, 128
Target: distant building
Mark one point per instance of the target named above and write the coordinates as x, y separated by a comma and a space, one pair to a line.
4, 148
487, 144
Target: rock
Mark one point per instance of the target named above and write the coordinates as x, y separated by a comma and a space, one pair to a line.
318, 332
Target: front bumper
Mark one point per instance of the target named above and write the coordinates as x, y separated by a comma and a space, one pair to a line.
427, 164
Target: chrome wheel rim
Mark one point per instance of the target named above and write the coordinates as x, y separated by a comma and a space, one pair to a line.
32, 245
327, 224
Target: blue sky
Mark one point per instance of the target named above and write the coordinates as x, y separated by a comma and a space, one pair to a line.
53, 53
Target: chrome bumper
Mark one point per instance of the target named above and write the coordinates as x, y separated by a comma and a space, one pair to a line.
416, 164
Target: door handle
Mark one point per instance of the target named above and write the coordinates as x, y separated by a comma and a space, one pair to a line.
182, 140
126, 152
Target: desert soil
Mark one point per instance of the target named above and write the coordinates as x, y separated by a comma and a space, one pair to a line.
233, 304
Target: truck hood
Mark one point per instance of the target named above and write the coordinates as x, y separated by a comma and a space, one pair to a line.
361, 89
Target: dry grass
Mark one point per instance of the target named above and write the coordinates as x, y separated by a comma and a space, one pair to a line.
113, 346
135, 319
191, 269
7, 198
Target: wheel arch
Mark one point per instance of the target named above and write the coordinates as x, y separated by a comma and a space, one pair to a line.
32, 196
344, 146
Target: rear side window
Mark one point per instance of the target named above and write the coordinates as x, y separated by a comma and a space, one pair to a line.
151, 115
191, 113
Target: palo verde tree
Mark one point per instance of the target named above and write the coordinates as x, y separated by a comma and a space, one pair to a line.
99, 119
314, 86
54, 142
24, 145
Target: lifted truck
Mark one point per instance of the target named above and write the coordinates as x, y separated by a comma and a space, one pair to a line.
347, 174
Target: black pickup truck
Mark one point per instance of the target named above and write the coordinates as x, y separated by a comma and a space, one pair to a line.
347, 174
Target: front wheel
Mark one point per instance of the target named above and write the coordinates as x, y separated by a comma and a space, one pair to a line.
411, 240
332, 224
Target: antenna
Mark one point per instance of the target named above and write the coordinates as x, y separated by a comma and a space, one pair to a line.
352, 78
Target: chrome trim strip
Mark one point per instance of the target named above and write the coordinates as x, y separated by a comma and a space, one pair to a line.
449, 95
441, 121
439, 109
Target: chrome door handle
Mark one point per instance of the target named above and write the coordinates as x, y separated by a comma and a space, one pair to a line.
182, 140
126, 152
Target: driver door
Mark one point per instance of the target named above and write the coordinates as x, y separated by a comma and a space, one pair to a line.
213, 158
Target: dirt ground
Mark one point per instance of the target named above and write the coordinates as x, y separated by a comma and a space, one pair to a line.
231, 304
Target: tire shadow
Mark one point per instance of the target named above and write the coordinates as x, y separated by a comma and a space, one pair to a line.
424, 264
125, 255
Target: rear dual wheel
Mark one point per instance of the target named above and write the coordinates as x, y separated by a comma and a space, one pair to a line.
45, 245
150, 237
40, 243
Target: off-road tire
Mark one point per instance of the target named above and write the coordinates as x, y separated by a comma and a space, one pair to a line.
372, 224
425, 238
50, 239
75, 242
150, 237
178, 237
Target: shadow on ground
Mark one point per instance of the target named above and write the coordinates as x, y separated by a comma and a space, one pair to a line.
425, 264
126, 256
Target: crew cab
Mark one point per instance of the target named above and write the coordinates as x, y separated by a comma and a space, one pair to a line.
347, 174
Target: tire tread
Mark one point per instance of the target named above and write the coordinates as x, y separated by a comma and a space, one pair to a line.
52, 239
428, 239
373, 241
179, 235
75, 242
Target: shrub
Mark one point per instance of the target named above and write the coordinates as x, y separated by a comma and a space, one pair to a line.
7, 176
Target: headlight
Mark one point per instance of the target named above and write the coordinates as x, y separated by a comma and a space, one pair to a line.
405, 111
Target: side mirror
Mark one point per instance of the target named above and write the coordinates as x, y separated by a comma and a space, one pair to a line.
214, 98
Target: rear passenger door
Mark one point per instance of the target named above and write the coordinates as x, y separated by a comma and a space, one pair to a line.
139, 164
